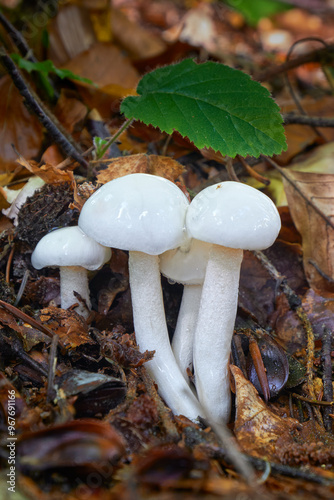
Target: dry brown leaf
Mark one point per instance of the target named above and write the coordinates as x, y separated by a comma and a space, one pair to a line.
256, 427
70, 111
71, 328
141, 163
317, 235
104, 64
17, 126
49, 173
139, 42
70, 33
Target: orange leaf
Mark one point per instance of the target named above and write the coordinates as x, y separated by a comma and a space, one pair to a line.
141, 163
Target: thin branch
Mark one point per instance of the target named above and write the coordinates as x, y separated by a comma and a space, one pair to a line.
51, 392
32, 104
17, 39
312, 121
324, 56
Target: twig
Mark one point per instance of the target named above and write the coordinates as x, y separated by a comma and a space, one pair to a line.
32, 104
296, 305
27, 319
51, 390
125, 125
22, 287
17, 39
230, 170
253, 173
9, 263
284, 174
324, 56
312, 121
327, 377
312, 401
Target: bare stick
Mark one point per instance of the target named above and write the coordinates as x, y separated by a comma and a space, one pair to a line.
32, 104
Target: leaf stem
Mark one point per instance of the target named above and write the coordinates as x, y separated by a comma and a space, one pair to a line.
125, 125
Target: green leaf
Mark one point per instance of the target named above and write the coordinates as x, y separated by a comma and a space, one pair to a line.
256, 10
46, 67
213, 105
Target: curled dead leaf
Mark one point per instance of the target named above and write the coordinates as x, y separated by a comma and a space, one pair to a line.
141, 163
317, 234
256, 427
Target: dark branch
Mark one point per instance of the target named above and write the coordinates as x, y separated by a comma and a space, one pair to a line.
35, 107
312, 121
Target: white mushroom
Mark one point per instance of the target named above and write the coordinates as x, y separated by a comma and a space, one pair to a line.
145, 214
232, 216
74, 253
186, 265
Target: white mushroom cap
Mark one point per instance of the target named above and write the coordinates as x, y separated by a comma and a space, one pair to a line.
186, 264
137, 212
233, 215
69, 246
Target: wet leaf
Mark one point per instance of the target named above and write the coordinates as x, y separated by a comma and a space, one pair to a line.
97, 393
275, 362
75, 445
141, 163
164, 466
257, 428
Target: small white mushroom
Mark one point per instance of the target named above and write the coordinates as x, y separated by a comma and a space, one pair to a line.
74, 253
145, 214
186, 265
232, 216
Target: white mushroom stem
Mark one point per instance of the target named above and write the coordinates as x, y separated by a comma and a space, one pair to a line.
74, 278
183, 338
152, 334
214, 331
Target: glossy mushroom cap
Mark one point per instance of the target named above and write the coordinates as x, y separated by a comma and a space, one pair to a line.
186, 264
69, 246
233, 215
137, 212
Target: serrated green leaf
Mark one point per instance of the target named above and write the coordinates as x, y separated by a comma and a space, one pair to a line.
211, 104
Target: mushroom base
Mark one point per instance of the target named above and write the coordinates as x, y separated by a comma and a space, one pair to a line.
152, 334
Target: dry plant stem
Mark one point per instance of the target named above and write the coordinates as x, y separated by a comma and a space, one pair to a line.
183, 337
296, 305
312, 121
152, 334
17, 39
230, 170
323, 56
51, 392
327, 377
299, 191
27, 319
253, 173
125, 125
32, 103
214, 331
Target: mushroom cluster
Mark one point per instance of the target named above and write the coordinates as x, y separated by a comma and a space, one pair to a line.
199, 245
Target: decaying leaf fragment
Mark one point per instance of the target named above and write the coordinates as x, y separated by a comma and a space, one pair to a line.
143, 164
81, 443
317, 235
257, 428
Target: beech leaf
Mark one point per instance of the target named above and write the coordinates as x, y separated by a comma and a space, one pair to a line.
213, 105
